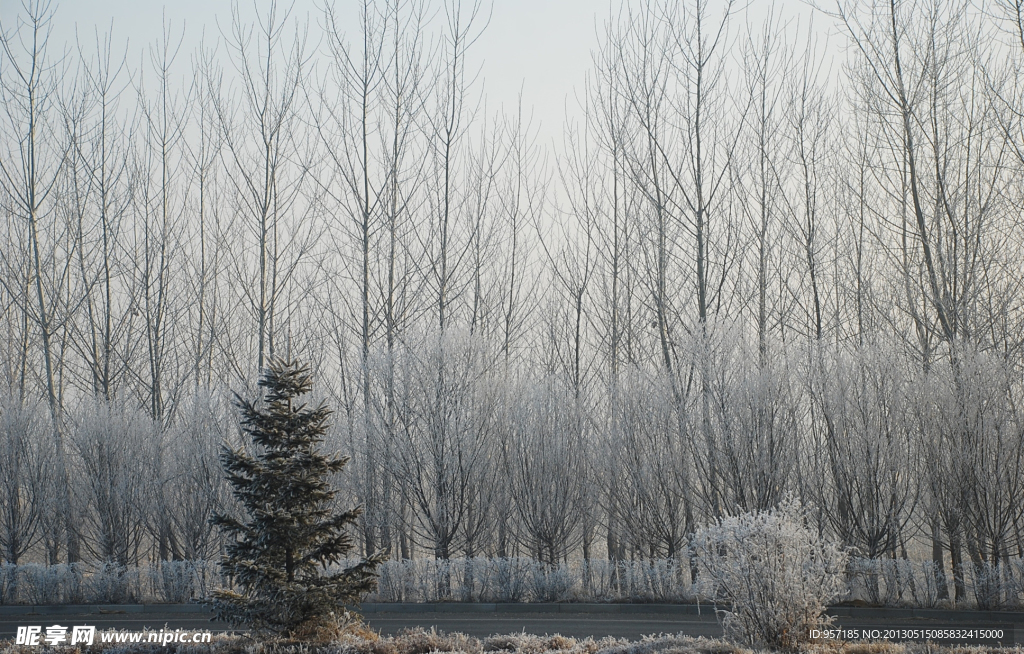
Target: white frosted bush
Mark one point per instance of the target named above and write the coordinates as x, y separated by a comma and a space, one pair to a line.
773, 572
174, 581
8, 583
46, 584
505, 579
113, 583
552, 583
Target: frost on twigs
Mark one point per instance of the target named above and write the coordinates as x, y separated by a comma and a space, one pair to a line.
774, 572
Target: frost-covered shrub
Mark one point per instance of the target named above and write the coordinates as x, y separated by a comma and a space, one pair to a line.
8, 583
50, 584
174, 581
894, 582
207, 576
773, 571
516, 579
112, 583
506, 579
662, 579
390, 584
996, 587
887, 582
73, 586
933, 582
552, 583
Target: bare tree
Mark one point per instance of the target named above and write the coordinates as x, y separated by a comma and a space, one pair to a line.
25, 468
259, 127
31, 166
647, 469
944, 167
445, 241
116, 448
765, 58
196, 486
548, 470
101, 181
444, 447
755, 420
868, 448
811, 118
30, 169
158, 207
207, 263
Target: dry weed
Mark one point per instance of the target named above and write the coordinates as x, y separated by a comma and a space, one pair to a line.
351, 636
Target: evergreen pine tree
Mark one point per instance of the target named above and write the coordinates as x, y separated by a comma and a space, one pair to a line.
279, 556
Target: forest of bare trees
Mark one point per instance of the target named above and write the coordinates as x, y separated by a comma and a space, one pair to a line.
750, 270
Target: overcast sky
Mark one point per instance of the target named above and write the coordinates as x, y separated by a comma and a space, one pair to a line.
540, 46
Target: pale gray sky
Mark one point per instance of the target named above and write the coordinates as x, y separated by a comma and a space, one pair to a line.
540, 46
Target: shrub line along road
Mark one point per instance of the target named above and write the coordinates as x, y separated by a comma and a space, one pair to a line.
484, 619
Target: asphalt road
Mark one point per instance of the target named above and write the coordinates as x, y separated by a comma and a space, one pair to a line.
565, 621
